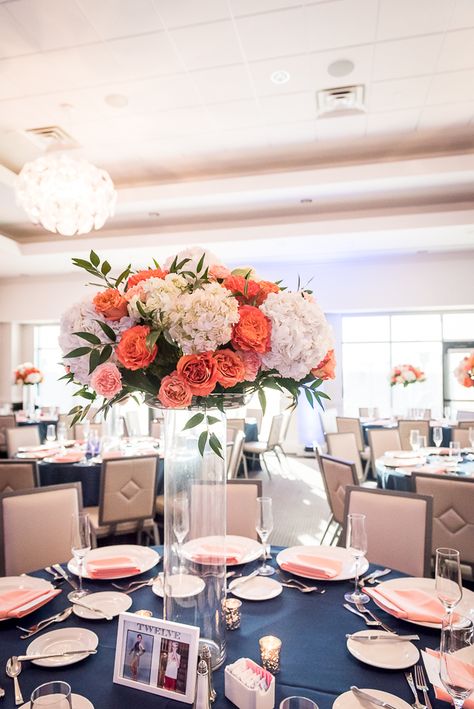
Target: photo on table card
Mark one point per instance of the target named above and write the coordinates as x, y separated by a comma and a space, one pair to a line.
157, 656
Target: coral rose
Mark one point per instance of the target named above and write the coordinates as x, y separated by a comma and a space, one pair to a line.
244, 289
145, 275
252, 363
253, 331
265, 287
230, 368
132, 351
106, 380
199, 371
218, 273
326, 369
111, 304
174, 392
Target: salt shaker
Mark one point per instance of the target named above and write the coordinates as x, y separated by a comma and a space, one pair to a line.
201, 700
206, 656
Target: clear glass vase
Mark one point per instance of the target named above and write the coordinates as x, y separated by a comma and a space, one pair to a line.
195, 527
29, 400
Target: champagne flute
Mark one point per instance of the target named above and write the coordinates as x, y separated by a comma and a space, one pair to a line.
264, 527
180, 522
51, 433
80, 547
448, 582
356, 544
456, 658
54, 695
437, 436
455, 452
415, 439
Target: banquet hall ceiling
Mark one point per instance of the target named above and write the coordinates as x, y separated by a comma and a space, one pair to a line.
175, 99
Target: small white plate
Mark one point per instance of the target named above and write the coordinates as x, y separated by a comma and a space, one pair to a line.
62, 640
109, 602
246, 549
182, 586
340, 553
78, 702
26, 583
390, 655
348, 700
259, 588
143, 557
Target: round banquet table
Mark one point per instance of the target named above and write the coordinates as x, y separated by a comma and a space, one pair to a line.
368, 426
400, 478
315, 662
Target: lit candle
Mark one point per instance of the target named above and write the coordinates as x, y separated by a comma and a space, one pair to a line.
270, 647
232, 613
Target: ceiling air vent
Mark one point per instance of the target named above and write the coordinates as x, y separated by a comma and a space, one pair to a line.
51, 137
341, 101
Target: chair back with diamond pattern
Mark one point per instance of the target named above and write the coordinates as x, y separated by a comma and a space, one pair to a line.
18, 475
127, 490
337, 475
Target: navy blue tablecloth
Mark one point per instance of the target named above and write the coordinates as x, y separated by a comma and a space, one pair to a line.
315, 662
391, 479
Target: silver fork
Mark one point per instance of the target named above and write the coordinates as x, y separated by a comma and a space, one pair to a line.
297, 582
361, 615
135, 585
420, 683
303, 589
417, 704
362, 609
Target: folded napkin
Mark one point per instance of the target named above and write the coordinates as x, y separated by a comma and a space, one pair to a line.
112, 566
71, 457
442, 694
21, 601
431, 468
110, 455
315, 567
214, 554
410, 604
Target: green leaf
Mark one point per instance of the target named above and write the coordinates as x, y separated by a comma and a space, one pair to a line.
106, 268
74, 410
215, 444
263, 400
89, 336
202, 442
194, 421
95, 260
141, 310
94, 360
88, 395
151, 339
157, 265
200, 262
82, 263
309, 397
322, 395
78, 352
107, 330
105, 354
211, 420
125, 274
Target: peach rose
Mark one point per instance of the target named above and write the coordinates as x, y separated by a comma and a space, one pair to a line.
253, 331
265, 287
244, 289
326, 369
145, 275
106, 380
218, 273
252, 362
174, 392
111, 304
199, 371
230, 368
132, 351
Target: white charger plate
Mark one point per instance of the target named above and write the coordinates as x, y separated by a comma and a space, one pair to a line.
390, 655
143, 557
348, 700
259, 588
109, 602
339, 553
78, 702
182, 585
27, 583
62, 640
247, 549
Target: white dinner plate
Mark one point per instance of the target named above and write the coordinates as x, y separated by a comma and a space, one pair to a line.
348, 700
182, 585
245, 549
13, 583
143, 557
465, 607
63, 640
340, 553
390, 462
78, 702
259, 588
109, 602
402, 454
390, 655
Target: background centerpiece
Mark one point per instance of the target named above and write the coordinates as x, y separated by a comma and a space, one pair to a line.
402, 375
464, 372
28, 376
195, 338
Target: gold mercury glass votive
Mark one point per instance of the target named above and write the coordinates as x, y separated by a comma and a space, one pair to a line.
270, 647
144, 613
232, 612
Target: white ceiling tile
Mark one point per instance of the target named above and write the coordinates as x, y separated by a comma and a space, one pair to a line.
406, 57
451, 87
457, 51
185, 121
360, 56
79, 67
459, 114
206, 46
161, 93
292, 133
146, 55
298, 68
272, 34
53, 23
288, 108
181, 13
392, 122
235, 114
339, 24
19, 77
120, 18
250, 7
13, 39
405, 18
400, 93
341, 128
223, 83
236, 140
463, 15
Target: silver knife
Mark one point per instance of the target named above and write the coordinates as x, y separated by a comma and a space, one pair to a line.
65, 576
93, 609
24, 658
370, 578
391, 637
237, 583
370, 698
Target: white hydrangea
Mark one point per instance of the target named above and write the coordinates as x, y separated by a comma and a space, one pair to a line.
202, 320
194, 254
159, 295
301, 335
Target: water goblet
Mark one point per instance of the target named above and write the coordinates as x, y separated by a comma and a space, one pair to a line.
51, 433
415, 439
356, 544
456, 658
448, 582
54, 695
264, 527
455, 452
80, 547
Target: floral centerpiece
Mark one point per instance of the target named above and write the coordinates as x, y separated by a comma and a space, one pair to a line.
27, 373
464, 372
406, 374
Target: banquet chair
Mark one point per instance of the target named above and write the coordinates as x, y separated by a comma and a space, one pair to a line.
18, 475
67, 419
453, 512
155, 429
398, 526
256, 414
235, 425
380, 441
367, 411
242, 507
35, 527
133, 424
6, 421
235, 456
21, 436
127, 499
82, 430
272, 445
405, 427
461, 435
468, 423
345, 424
337, 475
344, 447
328, 420
465, 416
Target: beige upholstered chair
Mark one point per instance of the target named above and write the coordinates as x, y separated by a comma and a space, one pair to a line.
21, 436
453, 512
328, 420
256, 414
365, 412
381, 440
155, 429
82, 429
398, 526
35, 527
67, 419
236, 425
344, 447
18, 475
6, 421
242, 507
406, 427
127, 499
345, 424
337, 476
461, 435
272, 445
235, 455
466, 424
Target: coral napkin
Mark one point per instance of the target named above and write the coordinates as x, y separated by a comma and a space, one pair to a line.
410, 604
442, 694
112, 566
435, 469
210, 554
72, 457
20, 601
316, 567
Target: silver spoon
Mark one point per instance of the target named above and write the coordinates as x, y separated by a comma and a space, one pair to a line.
13, 669
58, 618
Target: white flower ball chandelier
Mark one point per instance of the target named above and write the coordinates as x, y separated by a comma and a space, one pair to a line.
66, 195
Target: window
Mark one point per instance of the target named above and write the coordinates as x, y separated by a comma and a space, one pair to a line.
48, 358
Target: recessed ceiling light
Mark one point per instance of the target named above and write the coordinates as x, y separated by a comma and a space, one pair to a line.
341, 67
306, 200
281, 76
153, 214
116, 100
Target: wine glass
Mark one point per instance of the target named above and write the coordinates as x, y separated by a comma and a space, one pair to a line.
415, 439
54, 695
180, 521
356, 544
437, 436
455, 452
448, 582
264, 527
456, 658
51, 433
80, 547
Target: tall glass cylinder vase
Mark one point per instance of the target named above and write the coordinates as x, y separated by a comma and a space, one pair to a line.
195, 525
29, 400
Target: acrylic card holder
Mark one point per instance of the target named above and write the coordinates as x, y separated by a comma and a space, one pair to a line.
249, 686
